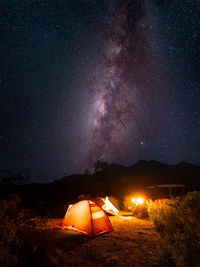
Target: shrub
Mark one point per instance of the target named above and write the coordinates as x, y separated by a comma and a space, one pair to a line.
11, 221
21, 243
178, 222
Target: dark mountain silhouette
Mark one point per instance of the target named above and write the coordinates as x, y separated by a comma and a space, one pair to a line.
115, 180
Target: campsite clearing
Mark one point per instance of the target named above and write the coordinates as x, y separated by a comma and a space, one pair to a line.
130, 244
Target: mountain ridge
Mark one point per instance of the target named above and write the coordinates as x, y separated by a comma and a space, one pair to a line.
114, 180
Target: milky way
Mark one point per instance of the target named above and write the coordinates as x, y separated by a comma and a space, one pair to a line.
88, 80
117, 102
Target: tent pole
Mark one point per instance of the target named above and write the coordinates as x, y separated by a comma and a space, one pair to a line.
91, 219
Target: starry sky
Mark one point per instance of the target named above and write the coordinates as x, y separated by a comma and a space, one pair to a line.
87, 80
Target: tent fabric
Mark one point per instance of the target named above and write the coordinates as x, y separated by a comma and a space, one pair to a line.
107, 206
110, 208
88, 217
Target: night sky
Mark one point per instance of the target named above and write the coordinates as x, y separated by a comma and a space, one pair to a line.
88, 80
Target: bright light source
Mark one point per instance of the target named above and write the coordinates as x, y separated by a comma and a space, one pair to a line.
133, 200
140, 200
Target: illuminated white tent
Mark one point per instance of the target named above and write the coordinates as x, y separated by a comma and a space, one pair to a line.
107, 205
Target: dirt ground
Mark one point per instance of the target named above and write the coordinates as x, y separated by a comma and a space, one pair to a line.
130, 244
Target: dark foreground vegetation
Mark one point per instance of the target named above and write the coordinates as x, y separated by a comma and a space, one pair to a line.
169, 236
20, 243
178, 222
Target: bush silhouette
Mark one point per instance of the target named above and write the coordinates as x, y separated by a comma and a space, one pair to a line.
178, 222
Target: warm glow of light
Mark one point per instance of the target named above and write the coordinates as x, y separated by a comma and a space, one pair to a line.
109, 206
97, 214
140, 200
133, 200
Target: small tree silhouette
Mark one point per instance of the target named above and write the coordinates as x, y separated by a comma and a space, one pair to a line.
86, 172
100, 165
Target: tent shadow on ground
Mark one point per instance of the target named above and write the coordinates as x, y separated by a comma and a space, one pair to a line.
66, 239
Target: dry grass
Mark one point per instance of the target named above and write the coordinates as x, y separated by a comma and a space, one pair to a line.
130, 244
178, 222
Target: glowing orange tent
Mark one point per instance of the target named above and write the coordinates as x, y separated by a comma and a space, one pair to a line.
88, 217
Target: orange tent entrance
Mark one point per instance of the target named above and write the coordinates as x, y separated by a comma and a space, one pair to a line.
88, 217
